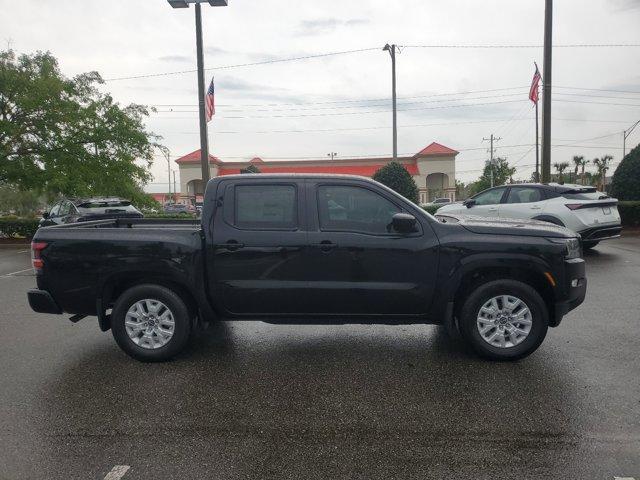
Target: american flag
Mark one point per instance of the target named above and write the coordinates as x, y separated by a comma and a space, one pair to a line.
533, 91
210, 102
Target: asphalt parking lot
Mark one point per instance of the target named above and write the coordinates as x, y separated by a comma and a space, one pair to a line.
251, 400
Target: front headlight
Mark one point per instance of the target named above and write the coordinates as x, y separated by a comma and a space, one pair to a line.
572, 245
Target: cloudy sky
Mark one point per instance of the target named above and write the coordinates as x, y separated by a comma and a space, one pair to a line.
341, 103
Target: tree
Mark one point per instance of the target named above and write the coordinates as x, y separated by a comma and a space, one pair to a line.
560, 168
602, 165
625, 184
397, 178
61, 135
579, 162
250, 169
501, 173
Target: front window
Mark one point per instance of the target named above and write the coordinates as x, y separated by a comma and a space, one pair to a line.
354, 209
489, 197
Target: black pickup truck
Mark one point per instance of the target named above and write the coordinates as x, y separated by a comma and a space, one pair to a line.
319, 249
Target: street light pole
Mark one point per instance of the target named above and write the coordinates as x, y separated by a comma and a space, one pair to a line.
204, 141
392, 51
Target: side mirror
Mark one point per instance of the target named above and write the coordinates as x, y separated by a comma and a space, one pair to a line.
45, 215
470, 202
404, 223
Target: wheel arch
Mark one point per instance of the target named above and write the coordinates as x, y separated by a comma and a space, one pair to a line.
114, 286
471, 276
550, 219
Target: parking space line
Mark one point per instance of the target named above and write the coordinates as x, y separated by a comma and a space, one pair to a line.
15, 273
117, 472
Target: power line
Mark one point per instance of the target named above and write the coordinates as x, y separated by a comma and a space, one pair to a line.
599, 89
489, 46
239, 65
359, 50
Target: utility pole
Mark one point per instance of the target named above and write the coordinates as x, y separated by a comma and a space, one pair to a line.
625, 135
332, 155
491, 150
204, 141
392, 51
546, 92
167, 155
175, 191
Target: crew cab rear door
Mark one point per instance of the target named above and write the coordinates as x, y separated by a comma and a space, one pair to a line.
357, 264
255, 246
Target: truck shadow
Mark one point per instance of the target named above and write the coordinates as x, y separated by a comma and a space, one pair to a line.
291, 389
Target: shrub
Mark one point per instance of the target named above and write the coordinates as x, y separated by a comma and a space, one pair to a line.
629, 213
625, 184
396, 177
431, 209
18, 227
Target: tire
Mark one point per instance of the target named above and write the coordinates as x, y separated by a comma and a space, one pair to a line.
588, 245
151, 345
521, 345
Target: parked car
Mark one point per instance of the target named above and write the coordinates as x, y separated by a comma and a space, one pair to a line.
310, 249
87, 209
582, 209
437, 202
179, 208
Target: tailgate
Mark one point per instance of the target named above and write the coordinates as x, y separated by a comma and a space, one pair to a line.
596, 213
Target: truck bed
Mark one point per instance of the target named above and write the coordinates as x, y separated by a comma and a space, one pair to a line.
173, 223
83, 260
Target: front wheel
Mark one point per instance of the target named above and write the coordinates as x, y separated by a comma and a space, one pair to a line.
150, 323
504, 320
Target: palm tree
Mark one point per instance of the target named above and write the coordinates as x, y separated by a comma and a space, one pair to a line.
602, 165
561, 167
579, 162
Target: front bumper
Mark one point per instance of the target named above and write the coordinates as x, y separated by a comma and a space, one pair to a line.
604, 232
574, 289
41, 301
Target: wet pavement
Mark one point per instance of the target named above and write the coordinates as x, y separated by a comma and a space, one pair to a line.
251, 400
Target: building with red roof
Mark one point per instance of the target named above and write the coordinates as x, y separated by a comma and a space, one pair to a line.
432, 168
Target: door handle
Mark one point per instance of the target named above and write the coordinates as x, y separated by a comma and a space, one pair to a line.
231, 245
327, 245
492, 210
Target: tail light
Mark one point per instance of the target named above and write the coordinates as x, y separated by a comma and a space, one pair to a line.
36, 257
573, 206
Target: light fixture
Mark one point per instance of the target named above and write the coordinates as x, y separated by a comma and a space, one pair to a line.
185, 3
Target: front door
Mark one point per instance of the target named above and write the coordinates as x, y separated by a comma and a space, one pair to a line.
487, 203
255, 253
358, 264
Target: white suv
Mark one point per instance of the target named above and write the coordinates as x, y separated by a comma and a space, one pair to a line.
592, 214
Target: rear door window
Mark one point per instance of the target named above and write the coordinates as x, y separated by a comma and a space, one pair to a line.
265, 207
524, 195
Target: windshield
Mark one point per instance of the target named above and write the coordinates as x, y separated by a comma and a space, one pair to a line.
587, 194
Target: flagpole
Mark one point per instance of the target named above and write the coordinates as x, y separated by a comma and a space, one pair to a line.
537, 148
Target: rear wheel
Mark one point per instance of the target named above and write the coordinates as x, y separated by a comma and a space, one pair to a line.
504, 320
150, 323
590, 244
